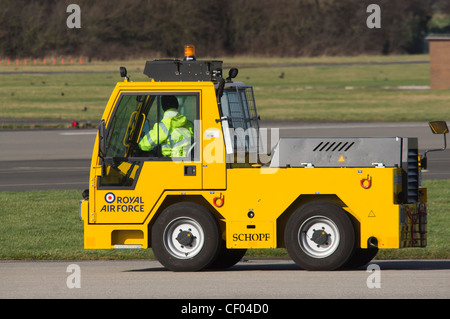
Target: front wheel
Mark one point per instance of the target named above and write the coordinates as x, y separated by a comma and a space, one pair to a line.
185, 237
320, 236
227, 257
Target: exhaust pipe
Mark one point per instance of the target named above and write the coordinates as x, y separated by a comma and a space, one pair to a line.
372, 242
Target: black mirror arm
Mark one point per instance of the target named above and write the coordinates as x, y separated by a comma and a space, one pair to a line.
101, 140
424, 158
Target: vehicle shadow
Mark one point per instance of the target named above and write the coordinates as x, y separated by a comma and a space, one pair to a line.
288, 265
423, 264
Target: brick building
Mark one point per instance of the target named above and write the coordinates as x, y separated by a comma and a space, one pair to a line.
439, 61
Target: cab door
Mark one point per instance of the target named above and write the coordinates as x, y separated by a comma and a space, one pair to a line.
133, 177
213, 149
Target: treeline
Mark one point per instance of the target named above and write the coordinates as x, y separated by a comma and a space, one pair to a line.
113, 29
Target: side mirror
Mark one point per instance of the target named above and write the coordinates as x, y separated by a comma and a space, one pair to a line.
232, 74
437, 127
124, 73
102, 139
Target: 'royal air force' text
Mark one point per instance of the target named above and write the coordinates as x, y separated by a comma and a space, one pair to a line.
126, 204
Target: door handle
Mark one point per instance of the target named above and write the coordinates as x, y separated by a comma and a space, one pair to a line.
190, 170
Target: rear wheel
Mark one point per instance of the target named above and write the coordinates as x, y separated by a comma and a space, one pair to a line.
320, 236
361, 257
185, 237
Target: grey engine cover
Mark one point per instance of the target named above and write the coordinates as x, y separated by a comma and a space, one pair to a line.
341, 152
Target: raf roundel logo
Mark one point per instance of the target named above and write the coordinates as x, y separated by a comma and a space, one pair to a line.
110, 198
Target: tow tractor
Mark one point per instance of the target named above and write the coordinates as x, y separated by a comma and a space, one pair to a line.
181, 166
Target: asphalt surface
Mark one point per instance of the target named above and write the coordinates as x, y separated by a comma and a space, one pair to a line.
60, 159
45, 159
252, 279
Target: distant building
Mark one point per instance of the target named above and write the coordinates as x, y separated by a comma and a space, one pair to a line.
439, 61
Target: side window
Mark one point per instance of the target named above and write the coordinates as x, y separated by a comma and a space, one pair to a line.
170, 130
153, 127
239, 107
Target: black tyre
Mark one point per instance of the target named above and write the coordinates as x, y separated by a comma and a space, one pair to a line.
360, 257
185, 237
227, 257
320, 236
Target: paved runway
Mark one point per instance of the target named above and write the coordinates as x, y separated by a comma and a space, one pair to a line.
59, 159
45, 159
253, 279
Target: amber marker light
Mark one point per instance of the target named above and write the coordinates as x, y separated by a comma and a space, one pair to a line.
189, 52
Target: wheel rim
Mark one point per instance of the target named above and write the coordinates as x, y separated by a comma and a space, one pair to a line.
318, 237
184, 238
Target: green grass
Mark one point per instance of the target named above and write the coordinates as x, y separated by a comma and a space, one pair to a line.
347, 93
55, 96
311, 89
366, 105
438, 235
45, 225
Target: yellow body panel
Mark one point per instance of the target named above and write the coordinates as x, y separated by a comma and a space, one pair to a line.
373, 208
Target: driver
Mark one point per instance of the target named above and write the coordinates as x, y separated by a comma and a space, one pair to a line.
174, 132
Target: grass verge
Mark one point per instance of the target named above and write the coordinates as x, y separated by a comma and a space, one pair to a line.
307, 89
44, 225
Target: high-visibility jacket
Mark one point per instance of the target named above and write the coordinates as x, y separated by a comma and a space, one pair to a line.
174, 133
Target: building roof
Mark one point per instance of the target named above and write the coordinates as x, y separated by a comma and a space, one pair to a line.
439, 37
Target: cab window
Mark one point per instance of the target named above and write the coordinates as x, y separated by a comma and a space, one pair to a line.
157, 127
170, 129
238, 106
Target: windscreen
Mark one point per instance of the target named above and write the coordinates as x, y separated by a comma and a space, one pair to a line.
123, 124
